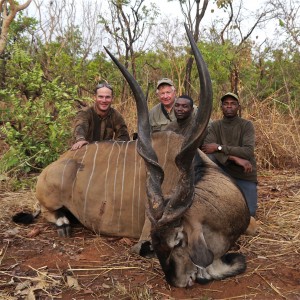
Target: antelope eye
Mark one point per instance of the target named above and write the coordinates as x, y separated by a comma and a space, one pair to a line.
179, 240
179, 244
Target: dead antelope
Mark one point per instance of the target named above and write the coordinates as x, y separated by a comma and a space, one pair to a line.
194, 220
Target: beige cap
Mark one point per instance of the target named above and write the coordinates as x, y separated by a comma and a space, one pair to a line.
232, 95
164, 81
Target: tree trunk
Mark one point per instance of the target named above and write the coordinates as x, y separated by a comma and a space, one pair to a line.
8, 14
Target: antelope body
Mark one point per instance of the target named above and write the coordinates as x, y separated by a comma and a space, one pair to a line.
104, 185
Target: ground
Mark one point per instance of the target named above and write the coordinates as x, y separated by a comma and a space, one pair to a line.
36, 264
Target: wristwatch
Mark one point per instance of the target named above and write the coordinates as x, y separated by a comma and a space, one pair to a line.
219, 148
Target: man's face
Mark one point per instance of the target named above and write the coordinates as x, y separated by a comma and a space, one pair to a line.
183, 108
166, 94
230, 107
103, 99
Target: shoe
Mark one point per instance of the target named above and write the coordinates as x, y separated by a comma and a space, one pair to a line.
252, 227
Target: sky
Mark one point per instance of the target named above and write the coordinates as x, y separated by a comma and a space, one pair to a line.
173, 9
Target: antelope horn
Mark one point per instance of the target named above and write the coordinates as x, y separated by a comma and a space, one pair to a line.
182, 197
196, 133
155, 174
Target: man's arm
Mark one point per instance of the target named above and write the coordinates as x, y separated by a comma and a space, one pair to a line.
246, 150
80, 132
210, 144
246, 164
240, 155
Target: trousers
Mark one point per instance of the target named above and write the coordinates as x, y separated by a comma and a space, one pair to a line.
249, 190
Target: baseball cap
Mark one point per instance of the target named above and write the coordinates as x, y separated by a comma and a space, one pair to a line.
230, 95
164, 81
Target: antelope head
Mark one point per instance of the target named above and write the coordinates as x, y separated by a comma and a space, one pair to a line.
169, 240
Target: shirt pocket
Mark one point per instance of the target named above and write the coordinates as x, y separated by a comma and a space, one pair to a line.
109, 134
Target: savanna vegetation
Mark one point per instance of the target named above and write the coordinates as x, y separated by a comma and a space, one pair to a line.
52, 56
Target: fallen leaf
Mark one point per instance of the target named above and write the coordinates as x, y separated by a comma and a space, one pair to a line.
22, 285
11, 232
31, 295
73, 283
126, 241
87, 291
34, 232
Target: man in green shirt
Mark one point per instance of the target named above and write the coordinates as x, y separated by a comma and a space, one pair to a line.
183, 110
230, 143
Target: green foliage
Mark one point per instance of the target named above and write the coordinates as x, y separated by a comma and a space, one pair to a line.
281, 23
223, 3
39, 127
20, 27
274, 75
219, 59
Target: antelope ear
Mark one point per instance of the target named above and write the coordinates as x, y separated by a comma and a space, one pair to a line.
200, 255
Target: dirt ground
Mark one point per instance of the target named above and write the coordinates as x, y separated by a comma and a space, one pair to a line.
36, 264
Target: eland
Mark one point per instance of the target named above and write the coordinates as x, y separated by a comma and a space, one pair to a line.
193, 218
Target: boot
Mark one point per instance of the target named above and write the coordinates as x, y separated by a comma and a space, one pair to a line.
252, 227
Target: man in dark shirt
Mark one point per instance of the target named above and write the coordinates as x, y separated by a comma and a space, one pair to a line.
183, 110
230, 143
100, 121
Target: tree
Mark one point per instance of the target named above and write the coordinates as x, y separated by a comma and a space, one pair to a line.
288, 15
193, 21
67, 39
8, 11
129, 27
237, 29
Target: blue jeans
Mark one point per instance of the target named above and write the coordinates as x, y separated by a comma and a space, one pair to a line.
249, 189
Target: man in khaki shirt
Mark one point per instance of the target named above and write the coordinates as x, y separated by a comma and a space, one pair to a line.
162, 113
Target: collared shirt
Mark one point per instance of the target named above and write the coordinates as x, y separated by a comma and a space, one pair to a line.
159, 118
184, 126
181, 126
91, 127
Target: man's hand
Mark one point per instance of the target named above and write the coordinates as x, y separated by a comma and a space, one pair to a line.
209, 148
242, 162
79, 144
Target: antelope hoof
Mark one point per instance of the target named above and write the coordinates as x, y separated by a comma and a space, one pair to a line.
144, 249
63, 227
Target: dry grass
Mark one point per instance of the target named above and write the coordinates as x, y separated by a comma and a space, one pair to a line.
278, 136
278, 241
112, 272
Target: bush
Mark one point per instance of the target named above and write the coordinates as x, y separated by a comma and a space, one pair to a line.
38, 129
